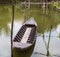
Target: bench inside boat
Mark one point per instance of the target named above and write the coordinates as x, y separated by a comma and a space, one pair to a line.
25, 36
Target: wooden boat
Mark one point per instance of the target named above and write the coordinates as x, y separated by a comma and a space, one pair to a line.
26, 36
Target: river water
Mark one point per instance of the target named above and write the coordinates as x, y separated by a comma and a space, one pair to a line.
44, 19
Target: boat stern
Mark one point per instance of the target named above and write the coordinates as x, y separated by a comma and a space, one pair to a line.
21, 46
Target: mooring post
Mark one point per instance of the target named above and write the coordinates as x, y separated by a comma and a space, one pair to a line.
46, 6
12, 22
29, 4
44, 27
25, 11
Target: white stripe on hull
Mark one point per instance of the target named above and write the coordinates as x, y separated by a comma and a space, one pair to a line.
26, 35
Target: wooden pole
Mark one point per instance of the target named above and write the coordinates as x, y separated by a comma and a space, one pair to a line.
29, 9
29, 4
44, 25
46, 7
12, 29
25, 11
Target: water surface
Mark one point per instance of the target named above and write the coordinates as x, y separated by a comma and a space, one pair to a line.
44, 19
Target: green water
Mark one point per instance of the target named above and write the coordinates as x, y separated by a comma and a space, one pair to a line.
45, 18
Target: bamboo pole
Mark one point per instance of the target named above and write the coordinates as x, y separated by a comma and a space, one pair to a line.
46, 7
25, 11
44, 25
12, 29
29, 4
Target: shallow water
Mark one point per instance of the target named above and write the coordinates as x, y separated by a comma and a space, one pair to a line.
44, 23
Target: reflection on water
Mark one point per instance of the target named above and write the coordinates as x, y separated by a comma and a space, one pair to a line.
41, 49
44, 22
4, 45
5, 19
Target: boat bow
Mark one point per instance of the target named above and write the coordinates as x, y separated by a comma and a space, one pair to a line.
31, 21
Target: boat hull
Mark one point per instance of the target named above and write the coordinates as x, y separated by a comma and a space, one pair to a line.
24, 49
26, 36
17, 52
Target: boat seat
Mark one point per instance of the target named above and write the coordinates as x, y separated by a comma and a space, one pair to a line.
20, 34
26, 35
32, 35
21, 45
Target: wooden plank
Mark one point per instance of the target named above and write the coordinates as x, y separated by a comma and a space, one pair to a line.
26, 35
27, 2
